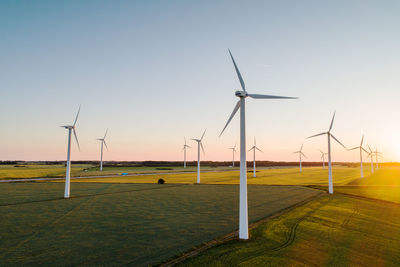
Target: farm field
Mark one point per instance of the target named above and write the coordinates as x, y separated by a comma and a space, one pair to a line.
334, 230
383, 184
123, 224
50, 171
279, 176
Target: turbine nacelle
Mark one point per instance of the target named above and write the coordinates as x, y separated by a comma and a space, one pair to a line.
241, 94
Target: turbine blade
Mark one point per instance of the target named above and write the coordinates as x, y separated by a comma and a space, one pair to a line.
188, 146
315, 135
104, 141
259, 150
258, 96
251, 149
364, 150
303, 154
238, 72
369, 148
333, 118
105, 134
203, 134
232, 115
202, 148
76, 139
357, 147
338, 141
362, 140
79, 110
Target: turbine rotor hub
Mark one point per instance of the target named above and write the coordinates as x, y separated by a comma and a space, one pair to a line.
241, 94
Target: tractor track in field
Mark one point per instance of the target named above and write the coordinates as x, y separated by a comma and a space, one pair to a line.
234, 235
92, 195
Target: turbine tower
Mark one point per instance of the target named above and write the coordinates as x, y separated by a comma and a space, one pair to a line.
329, 134
233, 155
70, 128
300, 152
243, 215
185, 146
199, 144
103, 142
323, 158
254, 156
361, 158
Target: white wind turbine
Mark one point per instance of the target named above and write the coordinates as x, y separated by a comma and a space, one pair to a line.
361, 158
68, 171
185, 146
371, 154
103, 142
233, 155
254, 156
199, 144
323, 158
300, 152
377, 154
243, 215
329, 134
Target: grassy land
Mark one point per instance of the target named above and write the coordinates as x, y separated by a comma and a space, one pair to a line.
34, 171
384, 184
40, 171
288, 176
118, 224
334, 231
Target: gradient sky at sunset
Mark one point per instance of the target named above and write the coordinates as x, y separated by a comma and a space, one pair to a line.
156, 71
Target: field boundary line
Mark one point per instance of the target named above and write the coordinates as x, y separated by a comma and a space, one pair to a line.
233, 235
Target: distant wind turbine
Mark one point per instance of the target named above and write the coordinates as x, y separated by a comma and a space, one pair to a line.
233, 155
103, 142
323, 158
199, 144
377, 154
185, 146
371, 154
254, 156
300, 152
360, 147
243, 215
68, 171
329, 134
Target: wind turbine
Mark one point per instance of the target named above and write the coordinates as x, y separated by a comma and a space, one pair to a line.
371, 154
300, 152
199, 144
68, 171
185, 146
361, 159
254, 156
233, 155
329, 134
243, 215
103, 142
377, 154
323, 158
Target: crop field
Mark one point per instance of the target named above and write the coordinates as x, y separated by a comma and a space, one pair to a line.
279, 176
383, 184
334, 230
43, 171
123, 224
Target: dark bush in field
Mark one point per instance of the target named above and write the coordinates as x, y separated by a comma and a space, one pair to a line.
161, 181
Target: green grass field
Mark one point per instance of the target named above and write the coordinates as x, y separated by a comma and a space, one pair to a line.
332, 231
43, 171
123, 224
281, 176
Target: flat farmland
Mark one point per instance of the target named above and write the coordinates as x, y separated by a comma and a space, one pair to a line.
123, 224
278, 176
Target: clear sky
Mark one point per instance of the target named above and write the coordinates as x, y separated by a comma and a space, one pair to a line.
156, 71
